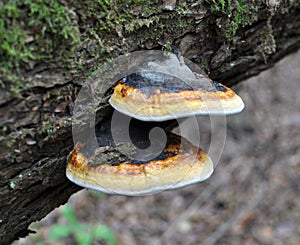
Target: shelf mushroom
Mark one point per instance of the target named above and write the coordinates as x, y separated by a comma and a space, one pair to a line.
179, 164
156, 96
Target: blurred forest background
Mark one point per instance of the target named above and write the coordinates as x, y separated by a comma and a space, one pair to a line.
252, 198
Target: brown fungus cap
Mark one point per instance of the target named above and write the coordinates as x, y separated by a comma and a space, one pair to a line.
179, 164
156, 96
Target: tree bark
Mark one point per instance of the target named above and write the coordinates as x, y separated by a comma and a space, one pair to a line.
36, 135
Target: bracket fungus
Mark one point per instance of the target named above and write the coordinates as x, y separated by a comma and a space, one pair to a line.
179, 164
150, 94
155, 96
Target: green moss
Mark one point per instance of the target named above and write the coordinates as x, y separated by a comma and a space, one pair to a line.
32, 30
118, 18
13, 48
55, 24
237, 14
125, 18
220, 5
46, 31
48, 126
123, 25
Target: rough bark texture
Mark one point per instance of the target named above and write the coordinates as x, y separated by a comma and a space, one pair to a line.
36, 132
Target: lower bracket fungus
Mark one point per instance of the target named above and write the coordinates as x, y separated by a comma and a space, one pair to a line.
179, 164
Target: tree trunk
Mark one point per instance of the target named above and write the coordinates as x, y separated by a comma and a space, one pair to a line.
229, 43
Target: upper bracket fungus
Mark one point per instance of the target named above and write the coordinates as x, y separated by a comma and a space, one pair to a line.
153, 87
156, 96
